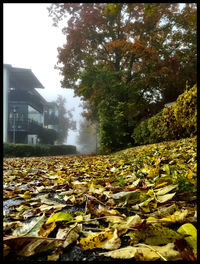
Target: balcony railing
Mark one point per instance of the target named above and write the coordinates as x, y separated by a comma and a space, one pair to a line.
24, 124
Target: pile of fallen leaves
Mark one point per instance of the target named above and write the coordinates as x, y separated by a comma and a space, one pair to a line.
139, 204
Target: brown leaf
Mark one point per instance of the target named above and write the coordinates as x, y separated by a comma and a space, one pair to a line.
185, 250
27, 246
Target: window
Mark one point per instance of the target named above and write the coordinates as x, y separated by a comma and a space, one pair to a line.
35, 115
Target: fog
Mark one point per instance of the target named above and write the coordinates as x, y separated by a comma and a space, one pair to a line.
72, 104
30, 41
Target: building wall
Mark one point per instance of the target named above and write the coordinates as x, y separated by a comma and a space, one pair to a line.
5, 102
23, 107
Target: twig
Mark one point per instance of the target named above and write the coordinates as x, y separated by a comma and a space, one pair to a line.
5, 239
94, 198
93, 228
158, 253
98, 218
70, 230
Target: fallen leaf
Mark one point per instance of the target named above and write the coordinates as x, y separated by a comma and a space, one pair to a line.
27, 246
69, 234
113, 243
165, 189
187, 253
131, 197
143, 252
59, 217
189, 229
165, 198
106, 240
155, 235
128, 222
46, 229
30, 229
177, 216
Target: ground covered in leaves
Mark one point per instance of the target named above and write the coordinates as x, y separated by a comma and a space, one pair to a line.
137, 204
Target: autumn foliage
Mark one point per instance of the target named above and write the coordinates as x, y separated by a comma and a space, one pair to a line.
126, 59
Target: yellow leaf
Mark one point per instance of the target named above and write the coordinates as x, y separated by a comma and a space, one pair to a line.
100, 240
189, 229
161, 184
60, 180
189, 174
79, 218
26, 195
59, 172
59, 217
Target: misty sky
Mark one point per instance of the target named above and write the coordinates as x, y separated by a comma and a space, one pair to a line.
30, 41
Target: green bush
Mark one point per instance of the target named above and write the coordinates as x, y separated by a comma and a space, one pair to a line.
173, 122
186, 110
154, 125
8, 149
171, 129
25, 150
141, 133
62, 150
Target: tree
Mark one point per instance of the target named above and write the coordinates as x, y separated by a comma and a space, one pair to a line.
65, 121
87, 138
48, 136
127, 60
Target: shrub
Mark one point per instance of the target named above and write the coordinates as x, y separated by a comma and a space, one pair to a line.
62, 149
154, 125
25, 150
8, 149
171, 129
173, 122
186, 110
141, 133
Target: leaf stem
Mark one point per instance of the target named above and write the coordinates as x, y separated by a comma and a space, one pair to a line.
158, 253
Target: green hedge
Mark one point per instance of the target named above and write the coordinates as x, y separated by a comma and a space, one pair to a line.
173, 122
186, 110
26, 150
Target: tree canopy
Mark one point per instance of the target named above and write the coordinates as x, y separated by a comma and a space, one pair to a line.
126, 60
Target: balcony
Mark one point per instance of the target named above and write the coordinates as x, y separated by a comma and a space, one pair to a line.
25, 125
